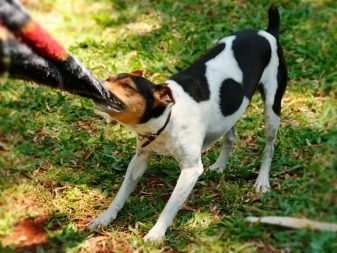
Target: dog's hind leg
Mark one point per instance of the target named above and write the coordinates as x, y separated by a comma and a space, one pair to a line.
272, 122
272, 93
186, 181
221, 162
133, 174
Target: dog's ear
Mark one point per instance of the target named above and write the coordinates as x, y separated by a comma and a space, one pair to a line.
162, 95
111, 78
138, 72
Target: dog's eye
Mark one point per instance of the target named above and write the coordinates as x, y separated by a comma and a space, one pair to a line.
127, 86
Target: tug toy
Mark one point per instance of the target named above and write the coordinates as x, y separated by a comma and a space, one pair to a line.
28, 52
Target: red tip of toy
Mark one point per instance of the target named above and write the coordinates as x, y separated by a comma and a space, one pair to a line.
40, 40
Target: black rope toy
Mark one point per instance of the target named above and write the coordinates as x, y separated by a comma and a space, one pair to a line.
29, 52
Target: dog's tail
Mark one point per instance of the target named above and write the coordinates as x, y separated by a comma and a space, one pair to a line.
274, 21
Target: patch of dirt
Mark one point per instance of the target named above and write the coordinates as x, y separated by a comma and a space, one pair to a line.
151, 185
83, 222
267, 248
45, 166
88, 126
106, 244
172, 251
3, 145
153, 182
29, 234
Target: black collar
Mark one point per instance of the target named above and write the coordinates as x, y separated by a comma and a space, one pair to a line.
151, 137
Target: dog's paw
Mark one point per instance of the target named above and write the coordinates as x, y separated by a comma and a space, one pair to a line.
155, 235
152, 237
101, 221
262, 184
217, 167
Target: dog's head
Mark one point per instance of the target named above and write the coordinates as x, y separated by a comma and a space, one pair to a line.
135, 99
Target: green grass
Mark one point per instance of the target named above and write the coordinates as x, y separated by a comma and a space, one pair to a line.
58, 158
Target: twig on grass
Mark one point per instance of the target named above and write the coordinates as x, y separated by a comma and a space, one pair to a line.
292, 222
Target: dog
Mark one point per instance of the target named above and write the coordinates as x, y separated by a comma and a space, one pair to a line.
195, 107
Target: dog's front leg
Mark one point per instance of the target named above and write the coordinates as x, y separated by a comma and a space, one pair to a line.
186, 181
134, 172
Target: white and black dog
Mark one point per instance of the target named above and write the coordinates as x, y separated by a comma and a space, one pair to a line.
195, 107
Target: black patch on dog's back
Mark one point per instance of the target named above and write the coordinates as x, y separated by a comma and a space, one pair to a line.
253, 53
193, 79
231, 96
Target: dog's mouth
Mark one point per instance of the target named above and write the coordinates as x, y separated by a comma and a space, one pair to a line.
113, 104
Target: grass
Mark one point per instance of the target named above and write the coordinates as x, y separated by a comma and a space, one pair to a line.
59, 159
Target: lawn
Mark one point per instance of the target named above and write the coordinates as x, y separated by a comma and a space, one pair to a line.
61, 164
